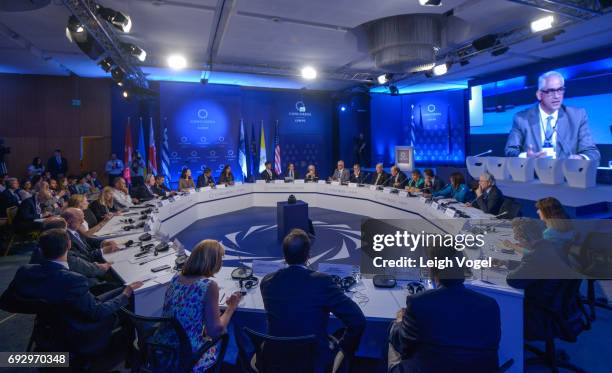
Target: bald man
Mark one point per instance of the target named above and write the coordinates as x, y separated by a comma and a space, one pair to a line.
87, 247
341, 174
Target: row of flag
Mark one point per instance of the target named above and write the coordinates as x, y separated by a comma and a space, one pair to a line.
247, 160
149, 157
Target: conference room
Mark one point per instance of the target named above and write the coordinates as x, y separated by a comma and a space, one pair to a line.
306, 186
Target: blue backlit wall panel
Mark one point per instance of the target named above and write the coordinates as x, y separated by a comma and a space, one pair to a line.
437, 120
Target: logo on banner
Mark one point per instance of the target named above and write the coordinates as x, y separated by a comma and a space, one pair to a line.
300, 114
203, 140
184, 140
201, 119
431, 108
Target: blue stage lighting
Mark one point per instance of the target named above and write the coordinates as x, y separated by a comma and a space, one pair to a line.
342, 107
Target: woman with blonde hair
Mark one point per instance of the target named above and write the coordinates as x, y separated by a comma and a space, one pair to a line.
192, 298
91, 224
103, 207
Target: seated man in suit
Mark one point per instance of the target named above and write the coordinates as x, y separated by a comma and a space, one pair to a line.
432, 182
447, 329
311, 174
206, 179
397, 179
357, 176
10, 196
268, 174
489, 198
380, 176
551, 128
291, 173
30, 210
96, 273
66, 292
299, 293
89, 248
145, 192
341, 174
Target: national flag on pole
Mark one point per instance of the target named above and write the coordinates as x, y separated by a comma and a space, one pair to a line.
127, 153
412, 126
242, 160
141, 145
252, 151
262, 149
420, 118
277, 151
152, 150
165, 158
449, 128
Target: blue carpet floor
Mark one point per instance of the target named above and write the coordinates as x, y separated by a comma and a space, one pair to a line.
250, 234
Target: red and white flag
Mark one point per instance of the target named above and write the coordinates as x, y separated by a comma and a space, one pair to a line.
152, 151
128, 149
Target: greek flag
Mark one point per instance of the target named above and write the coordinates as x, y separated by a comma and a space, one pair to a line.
242, 160
412, 127
165, 159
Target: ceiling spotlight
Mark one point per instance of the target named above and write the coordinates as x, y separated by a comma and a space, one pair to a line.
542, 24
75, 31
309, 73
384, 78
343, 108
118, 75
125, 94
120, 20
440, 69
106, 64
430, 2
135, 51
393, 90
177, 62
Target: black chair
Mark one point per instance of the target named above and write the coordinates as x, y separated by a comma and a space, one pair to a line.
564, 320
153, 356
510, 208
595, 258
282, 354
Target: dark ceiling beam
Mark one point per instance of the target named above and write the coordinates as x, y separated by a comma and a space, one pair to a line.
224, 11
30, 47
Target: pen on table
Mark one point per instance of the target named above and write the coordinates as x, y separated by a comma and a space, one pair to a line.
222, 297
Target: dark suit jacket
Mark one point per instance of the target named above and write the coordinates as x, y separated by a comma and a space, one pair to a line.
542, 272
296, 175
573, 133
204, 181
27, 213
143, 194
490, 202
401, 180
448, 329
265, 176
357, 179
87, 248
381, 181
161, 189
56, 168
226, 179
8, 199
98, 210
298, 302
75, 263
437, 185
68, 293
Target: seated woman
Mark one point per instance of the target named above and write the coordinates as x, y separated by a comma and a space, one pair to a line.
226, 177
526, 231
186, 181
192, 298
558, 226
455, 189
26, 189
311, 174
103, 208
416, 181
91, 224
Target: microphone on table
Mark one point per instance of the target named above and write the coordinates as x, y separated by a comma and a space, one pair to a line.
483, 153
500, 215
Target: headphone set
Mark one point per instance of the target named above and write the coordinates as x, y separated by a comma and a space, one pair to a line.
415, 287
245, 278
134, 226
344, 283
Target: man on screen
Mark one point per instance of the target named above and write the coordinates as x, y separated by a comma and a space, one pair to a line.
551, 129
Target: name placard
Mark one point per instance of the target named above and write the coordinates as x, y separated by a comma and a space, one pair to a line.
298, 181
335, 183
279, 181
435, 205
403, 193
260, 181
320, 181
373, 187
422, 199
450, 213
221, 186
352, 185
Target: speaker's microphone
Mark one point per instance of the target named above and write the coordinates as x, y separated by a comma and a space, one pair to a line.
483, 153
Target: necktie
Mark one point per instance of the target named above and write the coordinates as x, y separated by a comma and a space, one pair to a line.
549, 131
377, 178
